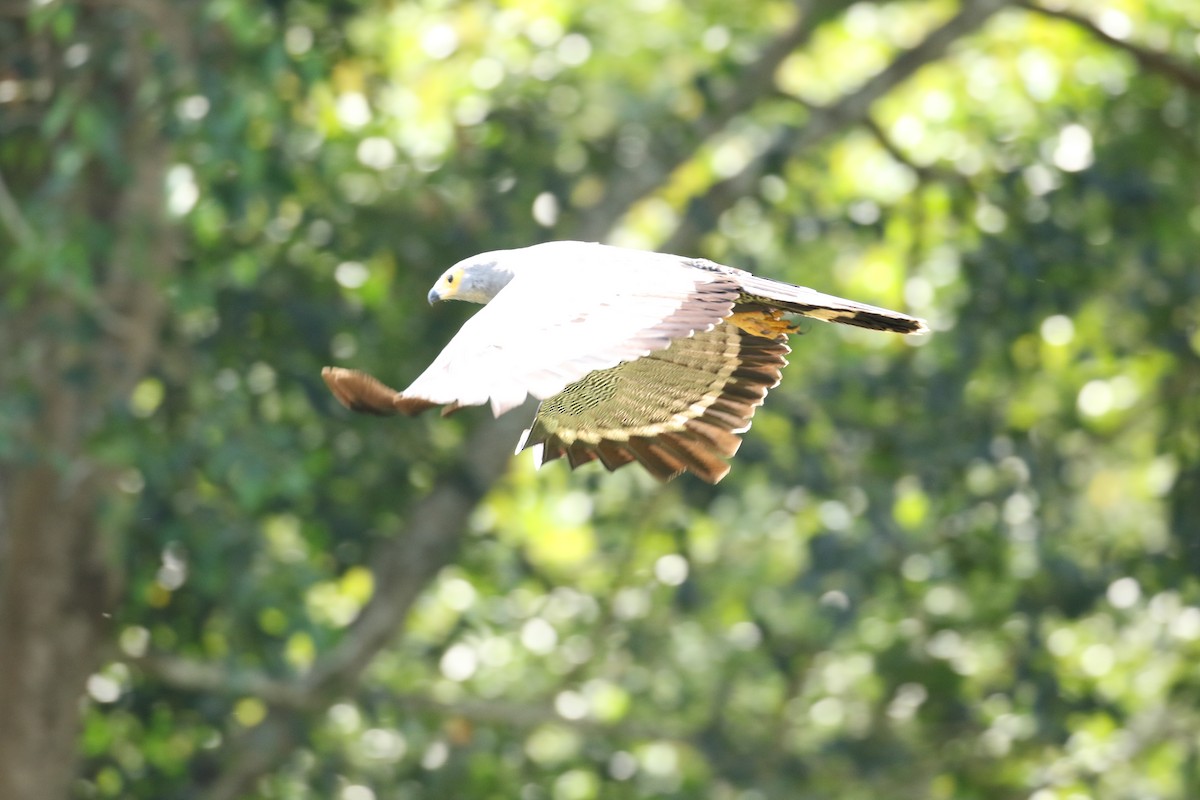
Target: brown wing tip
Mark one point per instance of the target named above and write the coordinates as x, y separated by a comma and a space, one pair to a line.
366, 394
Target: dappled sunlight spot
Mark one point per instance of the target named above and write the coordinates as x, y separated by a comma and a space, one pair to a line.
260, 378
487, 73
545, 210
716, 38
1095, 399
944, 601
863, 212
249, 711
917, 568
544, 31
834, 515
130, 481
839, 674
671, 569
343, 346
570, 705
565, 604
607, 701
744, 635
134, 641
345, 718
193, 108
937, 105
918, 293
731, 156
622, 765
907, 701
576, 650
1072, 151
908, 131
574, 50
990, 218
300, 651
828, 712
103, 688
456, 593
1062, 642
1039, 72
1115, 23
1108, 73
1040, 180
337, 603
272, 621
911, 505
1058, 330
182, 190
648, 220
660, 759
552, 744
358, 188
459, 662
539, 636
564, 547
495, 652
173, 570
383, 744
284, 540
835, 599
946, 644
439, 41
352, 110
1097, 660
576, 784
436, 755
571, 158
862, 21
1123, 592
146, 397
1186, 624
376, 152
298, 40
1018, 509
356, 791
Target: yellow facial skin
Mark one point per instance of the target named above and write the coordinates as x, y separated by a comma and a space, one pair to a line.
447, 286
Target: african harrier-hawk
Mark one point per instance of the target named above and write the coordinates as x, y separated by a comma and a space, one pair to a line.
635, 356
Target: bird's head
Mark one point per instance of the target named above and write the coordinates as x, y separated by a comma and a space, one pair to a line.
476, 279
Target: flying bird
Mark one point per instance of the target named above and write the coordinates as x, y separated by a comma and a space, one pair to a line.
634, 355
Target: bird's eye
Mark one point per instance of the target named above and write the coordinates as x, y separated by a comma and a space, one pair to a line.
449, 279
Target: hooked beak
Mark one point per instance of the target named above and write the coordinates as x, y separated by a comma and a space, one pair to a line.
434, 296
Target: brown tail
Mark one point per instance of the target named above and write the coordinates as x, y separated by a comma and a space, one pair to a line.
366, 394
828, 307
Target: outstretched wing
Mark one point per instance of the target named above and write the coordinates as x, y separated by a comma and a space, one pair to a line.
550, 327
675, 410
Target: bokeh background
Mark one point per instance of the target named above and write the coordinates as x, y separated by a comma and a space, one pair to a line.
959, 567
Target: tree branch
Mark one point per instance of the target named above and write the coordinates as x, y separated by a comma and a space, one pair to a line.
1151, 60
825, 121
403, 568
12, 218
200, 676
757, 80
925, 173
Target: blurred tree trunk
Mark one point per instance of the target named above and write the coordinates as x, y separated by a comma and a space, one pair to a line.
75, 354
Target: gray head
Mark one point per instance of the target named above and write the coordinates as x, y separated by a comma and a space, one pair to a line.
476, 279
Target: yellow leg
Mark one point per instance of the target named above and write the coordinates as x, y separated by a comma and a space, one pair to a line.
767, 323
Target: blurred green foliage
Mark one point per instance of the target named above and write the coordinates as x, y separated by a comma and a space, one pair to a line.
962, 567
